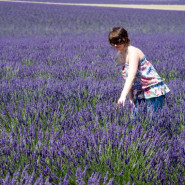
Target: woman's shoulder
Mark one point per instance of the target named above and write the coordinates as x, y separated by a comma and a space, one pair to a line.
132, 50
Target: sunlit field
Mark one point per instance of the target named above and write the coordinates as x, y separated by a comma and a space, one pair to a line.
59, 85
158, 2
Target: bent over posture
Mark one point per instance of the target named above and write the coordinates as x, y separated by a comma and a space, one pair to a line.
142, 82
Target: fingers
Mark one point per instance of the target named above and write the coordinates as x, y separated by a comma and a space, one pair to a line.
121, 103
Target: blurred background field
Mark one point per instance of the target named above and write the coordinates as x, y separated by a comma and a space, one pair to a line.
164, 2
59, 83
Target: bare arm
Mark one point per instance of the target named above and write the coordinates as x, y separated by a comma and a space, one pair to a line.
133, 66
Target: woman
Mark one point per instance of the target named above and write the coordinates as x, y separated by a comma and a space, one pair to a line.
142, 82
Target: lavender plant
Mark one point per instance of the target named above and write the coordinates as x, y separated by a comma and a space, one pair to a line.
59, 86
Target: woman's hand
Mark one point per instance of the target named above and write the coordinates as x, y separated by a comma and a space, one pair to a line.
121, 100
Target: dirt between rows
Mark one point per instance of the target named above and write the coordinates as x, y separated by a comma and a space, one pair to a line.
153, 7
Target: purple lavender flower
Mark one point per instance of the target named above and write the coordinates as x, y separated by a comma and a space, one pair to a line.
110, 181
105, 178
94, 179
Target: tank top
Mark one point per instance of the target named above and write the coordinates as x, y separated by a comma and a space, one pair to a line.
147, 83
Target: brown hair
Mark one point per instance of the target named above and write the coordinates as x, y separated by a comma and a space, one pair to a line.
118, 35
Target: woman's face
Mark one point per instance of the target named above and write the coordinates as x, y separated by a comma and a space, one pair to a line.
119, 47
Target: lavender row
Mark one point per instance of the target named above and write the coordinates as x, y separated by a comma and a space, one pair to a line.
126, 154
116, 148
57, 21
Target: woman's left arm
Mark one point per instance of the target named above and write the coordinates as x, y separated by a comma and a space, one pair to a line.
133, 66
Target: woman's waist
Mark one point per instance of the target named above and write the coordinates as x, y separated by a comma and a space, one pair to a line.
142, 86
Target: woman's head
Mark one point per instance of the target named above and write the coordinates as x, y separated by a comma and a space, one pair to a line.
118, 35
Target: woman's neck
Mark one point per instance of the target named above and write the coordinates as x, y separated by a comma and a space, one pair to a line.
124, 51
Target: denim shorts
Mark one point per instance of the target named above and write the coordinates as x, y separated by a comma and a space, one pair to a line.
152, 104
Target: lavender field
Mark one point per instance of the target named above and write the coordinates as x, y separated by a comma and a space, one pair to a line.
59, 84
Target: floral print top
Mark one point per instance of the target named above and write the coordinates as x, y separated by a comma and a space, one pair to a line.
147, 83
